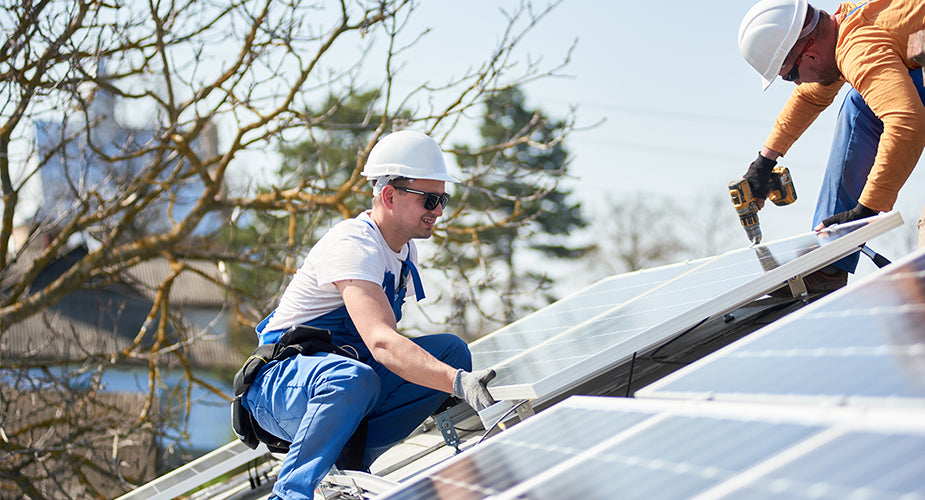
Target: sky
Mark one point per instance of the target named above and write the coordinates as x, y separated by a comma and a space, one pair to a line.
667, 104
683, 113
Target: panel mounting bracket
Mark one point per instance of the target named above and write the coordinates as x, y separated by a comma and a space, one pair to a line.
797, 287
496, 413
447, 430
524, 410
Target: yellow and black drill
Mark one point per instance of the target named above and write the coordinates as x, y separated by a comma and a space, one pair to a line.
781, 192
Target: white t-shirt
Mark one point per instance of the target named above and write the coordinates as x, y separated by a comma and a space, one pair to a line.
353, 249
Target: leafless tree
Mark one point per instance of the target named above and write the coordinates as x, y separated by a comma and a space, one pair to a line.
154, 105
713, 226
639, 231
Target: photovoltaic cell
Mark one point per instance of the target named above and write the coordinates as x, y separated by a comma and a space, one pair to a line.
519, 454
854, 465
677, 457
644, 322
604, 448
862, 344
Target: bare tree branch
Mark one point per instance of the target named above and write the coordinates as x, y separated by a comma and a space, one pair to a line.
123, 126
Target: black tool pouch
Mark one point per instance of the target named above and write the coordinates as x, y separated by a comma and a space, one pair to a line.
305, 340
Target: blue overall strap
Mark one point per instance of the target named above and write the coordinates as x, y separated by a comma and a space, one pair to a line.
267, 337
415, 277
411, 269
263, 323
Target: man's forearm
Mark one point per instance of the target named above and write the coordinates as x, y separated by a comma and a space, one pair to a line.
412, 363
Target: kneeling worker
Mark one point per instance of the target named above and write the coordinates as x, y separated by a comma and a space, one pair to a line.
353, 283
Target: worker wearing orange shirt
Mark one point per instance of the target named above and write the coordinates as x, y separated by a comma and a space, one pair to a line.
880, 131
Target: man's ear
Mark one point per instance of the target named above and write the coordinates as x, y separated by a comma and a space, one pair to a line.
388, 196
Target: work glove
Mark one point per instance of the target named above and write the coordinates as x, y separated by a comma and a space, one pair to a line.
472, 388
858, 212
758, 176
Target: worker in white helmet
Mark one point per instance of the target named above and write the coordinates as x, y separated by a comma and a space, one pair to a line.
880, 131
353, 283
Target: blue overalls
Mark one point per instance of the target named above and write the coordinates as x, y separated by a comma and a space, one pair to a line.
854, 148
316, 402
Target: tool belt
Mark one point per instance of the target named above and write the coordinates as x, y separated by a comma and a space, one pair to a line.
300, 339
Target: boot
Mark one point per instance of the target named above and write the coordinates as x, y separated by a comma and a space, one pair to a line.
826, 280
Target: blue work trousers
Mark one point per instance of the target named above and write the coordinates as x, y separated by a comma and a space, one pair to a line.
316, 403
854, 148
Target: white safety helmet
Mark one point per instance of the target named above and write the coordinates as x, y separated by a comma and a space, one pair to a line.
406, 154
768, 32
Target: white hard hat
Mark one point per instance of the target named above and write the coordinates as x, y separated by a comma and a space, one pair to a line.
407, 154
768, 32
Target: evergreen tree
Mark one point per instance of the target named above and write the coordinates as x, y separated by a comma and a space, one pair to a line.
516, 204
320, 166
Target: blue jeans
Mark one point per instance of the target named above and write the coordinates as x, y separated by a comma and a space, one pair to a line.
316, 403
854, 148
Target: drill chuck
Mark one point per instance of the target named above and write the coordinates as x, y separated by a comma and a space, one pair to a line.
753, 233
781, 193
747, 209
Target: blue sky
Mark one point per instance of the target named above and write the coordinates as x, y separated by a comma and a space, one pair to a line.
684, 113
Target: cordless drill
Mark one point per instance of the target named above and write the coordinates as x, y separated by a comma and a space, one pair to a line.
781, 192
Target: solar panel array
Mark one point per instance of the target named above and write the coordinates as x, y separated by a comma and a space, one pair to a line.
865, 345
601, 447
827, 403
713, 287
604, 448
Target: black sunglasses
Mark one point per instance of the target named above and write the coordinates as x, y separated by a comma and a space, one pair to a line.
794, 73
431, 200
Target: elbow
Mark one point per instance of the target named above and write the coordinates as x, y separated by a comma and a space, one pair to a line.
381, 348
916, 123
379, 352
906, 123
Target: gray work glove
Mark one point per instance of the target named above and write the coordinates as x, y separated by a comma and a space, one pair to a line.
471, 387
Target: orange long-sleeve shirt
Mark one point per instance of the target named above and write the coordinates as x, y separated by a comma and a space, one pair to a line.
871, 54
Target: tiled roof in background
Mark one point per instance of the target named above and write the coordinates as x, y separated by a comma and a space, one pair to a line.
191, 287
106, 320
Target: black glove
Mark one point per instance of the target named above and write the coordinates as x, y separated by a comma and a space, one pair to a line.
471, 387
758, 176
858, 212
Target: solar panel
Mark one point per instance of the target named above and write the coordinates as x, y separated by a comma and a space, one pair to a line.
853, 465
577, 308
862, 344
197, 472
603, 448
515, 456
717, 286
